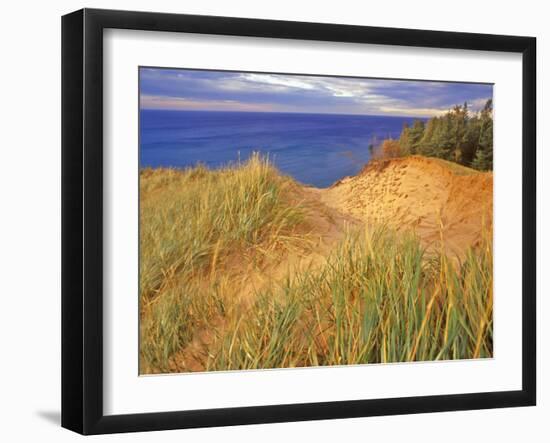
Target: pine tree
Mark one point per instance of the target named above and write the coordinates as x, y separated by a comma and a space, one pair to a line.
416, 132
484, 155
457, 136
482, 161
444, 142
470, 140
426, 144
404, 140
459, 119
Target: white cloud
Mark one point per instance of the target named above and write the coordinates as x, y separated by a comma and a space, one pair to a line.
413, 112
302, 93
181, 103
279, 80
477, 104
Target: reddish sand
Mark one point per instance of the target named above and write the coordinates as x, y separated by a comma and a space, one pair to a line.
435, 198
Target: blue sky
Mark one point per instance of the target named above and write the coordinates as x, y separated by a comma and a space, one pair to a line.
183, 89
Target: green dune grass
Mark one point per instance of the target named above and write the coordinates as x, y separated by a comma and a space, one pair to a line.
379, 297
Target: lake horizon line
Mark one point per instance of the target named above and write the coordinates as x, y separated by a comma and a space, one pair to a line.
287, 113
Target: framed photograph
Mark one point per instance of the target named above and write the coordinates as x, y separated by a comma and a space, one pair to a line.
269, 221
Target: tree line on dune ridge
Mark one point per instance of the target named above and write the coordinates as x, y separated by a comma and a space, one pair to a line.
459, 136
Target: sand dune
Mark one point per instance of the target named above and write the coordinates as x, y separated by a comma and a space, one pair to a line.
193, 314
435, 198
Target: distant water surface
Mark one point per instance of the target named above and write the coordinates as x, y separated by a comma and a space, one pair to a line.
315, 149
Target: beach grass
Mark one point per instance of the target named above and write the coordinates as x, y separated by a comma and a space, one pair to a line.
378, 297
194, 225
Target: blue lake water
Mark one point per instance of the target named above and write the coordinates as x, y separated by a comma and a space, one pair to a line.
315, 149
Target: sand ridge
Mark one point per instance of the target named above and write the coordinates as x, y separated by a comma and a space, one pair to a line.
438, 200
435, 198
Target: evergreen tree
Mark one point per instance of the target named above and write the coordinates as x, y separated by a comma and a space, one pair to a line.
482, 161
416, 132
426, 144
457, 136
470, 140
404, 140
459, 120
484, 154
443, 140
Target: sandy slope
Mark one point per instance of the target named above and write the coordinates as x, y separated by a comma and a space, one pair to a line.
431, 196
323, 227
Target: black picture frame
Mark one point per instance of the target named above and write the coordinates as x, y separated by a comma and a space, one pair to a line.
82, 219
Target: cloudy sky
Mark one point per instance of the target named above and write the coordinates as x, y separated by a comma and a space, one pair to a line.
233, 91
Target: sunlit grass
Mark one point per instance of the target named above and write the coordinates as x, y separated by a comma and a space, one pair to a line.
379, 296
378, 299
194, 223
